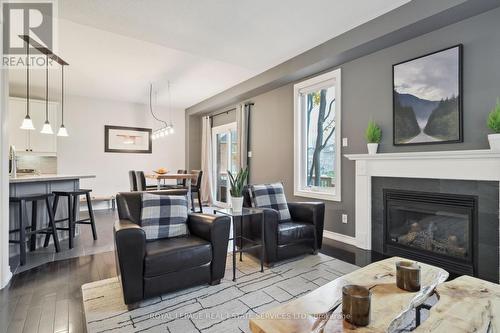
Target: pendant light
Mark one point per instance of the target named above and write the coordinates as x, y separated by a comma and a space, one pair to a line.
47, 129
161, 132
62, 130
27, 122
167, 128
170, 127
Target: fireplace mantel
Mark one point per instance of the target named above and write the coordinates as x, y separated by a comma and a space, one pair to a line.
483, 165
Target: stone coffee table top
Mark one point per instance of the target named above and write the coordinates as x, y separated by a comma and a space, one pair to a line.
387, 302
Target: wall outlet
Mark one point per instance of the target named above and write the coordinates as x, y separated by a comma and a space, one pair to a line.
344, 218
344, 142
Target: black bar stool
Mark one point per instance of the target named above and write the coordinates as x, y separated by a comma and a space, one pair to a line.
73, 206
25, 229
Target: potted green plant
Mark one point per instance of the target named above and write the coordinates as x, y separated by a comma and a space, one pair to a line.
373, 135
236, 190
494, 125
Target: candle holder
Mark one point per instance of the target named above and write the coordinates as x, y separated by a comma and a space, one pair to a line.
356, 305
408, 275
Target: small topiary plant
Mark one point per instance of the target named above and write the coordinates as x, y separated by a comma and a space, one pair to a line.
373, 133
494, 118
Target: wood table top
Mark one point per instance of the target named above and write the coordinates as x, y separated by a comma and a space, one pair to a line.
173, 176
387, 301
466, 304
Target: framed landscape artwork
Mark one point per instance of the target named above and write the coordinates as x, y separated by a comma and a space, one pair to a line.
427, 98
119, 139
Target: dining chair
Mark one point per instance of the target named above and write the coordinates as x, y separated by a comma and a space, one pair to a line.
141, 182
196, 188
132, 180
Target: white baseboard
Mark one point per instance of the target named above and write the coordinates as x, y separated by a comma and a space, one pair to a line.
339, 237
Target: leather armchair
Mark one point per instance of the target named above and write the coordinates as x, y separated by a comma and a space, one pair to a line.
283, 240
152, 268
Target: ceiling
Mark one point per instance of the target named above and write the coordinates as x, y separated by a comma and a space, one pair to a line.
115, 48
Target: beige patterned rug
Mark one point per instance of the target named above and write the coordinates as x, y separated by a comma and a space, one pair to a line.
223, 308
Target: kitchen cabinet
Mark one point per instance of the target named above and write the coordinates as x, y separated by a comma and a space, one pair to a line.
33, 141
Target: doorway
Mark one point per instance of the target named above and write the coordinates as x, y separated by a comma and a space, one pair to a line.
225, 157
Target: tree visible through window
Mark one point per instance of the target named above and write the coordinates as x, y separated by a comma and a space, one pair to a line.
317, 136
321, 138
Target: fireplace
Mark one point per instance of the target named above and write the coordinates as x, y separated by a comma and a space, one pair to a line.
437, 228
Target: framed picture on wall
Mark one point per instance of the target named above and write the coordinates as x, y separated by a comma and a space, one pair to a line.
120, 139
427, 98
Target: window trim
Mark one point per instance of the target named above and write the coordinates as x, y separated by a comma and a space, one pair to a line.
299, 118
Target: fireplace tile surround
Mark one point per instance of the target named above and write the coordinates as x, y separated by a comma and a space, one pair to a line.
468, 172
487, 193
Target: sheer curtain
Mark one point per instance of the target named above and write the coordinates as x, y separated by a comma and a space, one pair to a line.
206, 161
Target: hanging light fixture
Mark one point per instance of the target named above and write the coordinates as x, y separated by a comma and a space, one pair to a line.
162, 131
170, 127
62, 130
47, 129
27, 122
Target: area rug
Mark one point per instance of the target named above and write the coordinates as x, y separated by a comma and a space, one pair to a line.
223, 308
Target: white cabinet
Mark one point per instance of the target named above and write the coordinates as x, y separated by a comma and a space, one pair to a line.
33, 141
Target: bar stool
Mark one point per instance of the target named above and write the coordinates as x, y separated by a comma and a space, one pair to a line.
25, 230
73, 205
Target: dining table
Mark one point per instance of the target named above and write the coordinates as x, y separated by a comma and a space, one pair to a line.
159, 177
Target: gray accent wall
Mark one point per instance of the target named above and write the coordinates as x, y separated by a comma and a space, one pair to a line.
367, 95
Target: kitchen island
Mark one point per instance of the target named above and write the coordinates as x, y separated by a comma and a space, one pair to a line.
34, 184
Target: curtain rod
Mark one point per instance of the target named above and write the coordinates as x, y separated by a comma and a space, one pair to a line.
227, 111
218, 114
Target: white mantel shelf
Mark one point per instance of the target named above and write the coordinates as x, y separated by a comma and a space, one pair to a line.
479, 165
451, 154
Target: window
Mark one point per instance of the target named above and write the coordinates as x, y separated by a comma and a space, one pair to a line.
225, 157
317, 137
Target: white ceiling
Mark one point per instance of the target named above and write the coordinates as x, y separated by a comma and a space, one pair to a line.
115, 48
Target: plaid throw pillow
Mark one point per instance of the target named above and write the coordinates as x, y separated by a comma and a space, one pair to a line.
164, 216
270, 196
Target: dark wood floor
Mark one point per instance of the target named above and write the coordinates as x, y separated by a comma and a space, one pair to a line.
48, 298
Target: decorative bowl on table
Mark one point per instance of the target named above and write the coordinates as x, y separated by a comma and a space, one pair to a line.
160, 171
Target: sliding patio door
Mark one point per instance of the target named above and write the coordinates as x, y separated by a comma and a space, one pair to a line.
225, 157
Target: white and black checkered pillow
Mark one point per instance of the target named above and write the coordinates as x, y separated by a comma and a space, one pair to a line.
164, 216
270, 196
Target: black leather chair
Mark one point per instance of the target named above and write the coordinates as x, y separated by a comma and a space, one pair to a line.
283, 240
151, 268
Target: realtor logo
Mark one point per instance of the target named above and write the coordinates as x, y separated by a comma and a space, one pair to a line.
34, 19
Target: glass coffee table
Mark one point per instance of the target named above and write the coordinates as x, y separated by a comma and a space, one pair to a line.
238, 237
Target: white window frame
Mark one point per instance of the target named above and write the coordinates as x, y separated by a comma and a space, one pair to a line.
226, 128
300, 158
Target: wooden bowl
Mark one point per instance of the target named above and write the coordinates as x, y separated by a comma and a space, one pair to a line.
160, 173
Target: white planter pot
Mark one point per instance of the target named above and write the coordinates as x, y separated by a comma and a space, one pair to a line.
494, 140
372, 148
237, 204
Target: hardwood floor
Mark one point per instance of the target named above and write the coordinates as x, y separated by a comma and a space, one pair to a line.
48, 298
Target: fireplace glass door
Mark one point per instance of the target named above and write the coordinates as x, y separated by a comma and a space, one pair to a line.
436, 228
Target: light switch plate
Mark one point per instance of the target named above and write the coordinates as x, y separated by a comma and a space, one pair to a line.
344, 142
344, 218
